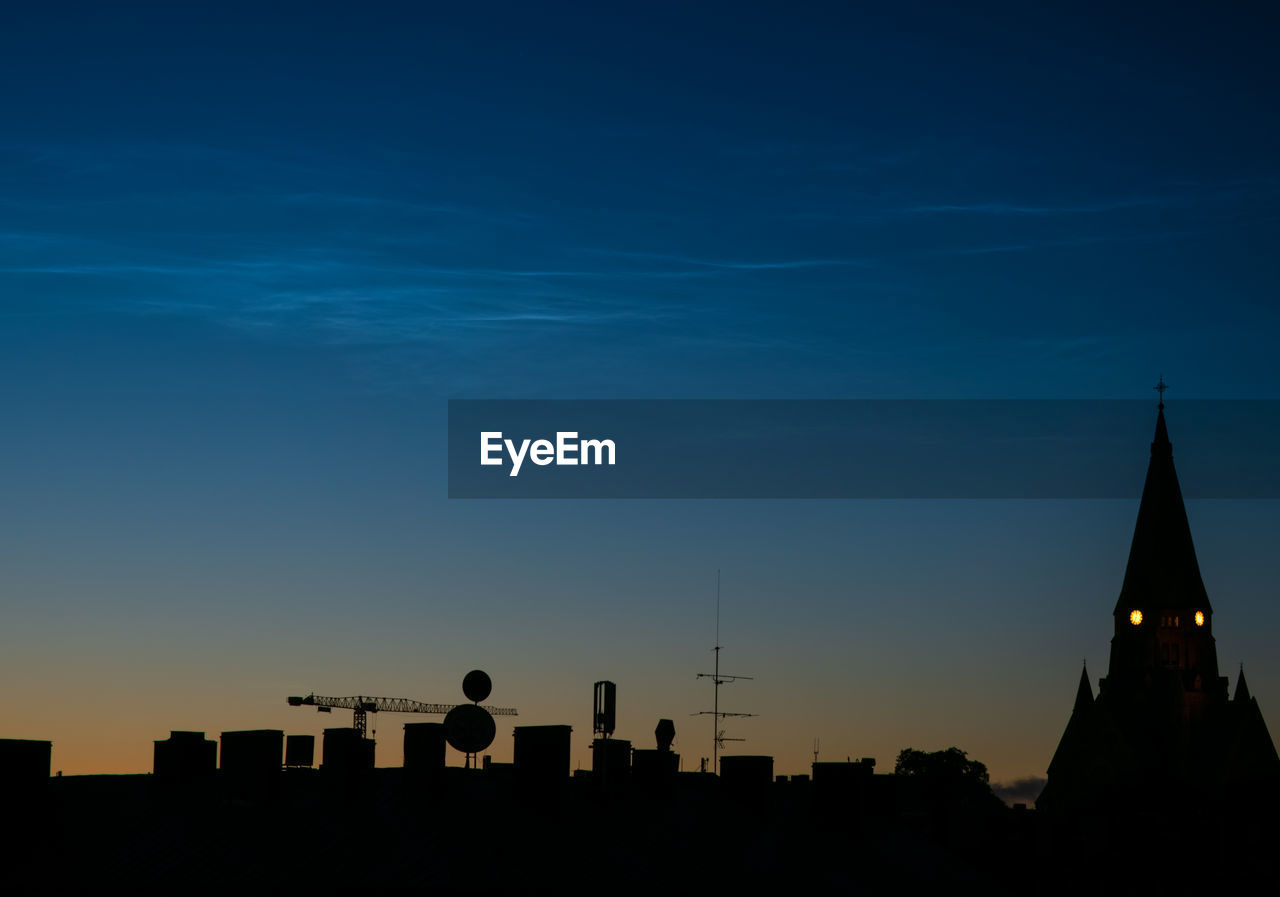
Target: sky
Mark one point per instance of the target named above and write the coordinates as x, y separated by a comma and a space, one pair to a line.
247, 255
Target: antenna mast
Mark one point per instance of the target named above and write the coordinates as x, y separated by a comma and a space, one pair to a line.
717, 678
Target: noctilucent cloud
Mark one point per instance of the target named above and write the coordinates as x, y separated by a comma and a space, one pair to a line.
246, 256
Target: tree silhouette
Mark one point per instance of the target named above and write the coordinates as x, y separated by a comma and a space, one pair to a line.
951, 764
950, 790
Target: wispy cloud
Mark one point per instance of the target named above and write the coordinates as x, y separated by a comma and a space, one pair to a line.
1170, 195
738, 265
274, 268
1028, 245
507, 216
1024, 210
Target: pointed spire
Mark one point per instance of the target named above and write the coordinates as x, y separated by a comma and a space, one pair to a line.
1162, 571
1242, 688
1084, 694
1160, 445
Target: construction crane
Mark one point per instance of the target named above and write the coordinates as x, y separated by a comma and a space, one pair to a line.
360, 705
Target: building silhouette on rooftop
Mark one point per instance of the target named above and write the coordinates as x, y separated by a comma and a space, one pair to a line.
1163, 734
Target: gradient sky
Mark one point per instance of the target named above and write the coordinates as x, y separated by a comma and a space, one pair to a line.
246, 256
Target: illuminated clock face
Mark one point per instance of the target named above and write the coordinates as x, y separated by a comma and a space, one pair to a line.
1199, 618
1135, 617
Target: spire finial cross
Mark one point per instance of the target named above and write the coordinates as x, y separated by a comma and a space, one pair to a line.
1160, 388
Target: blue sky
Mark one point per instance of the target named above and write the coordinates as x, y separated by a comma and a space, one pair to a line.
246, 256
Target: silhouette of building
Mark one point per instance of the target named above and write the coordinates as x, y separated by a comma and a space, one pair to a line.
424, 747
541, 755
299, 751
1163, 735
252, 752
746, 771
611, 762
346, 750
24, 766
185, 755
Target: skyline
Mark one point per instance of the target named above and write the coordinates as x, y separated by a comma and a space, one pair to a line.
896, 721
247, 257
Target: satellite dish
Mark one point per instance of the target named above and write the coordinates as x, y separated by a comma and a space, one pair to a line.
469, 727
476, 685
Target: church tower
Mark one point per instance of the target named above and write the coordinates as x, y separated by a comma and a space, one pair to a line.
1163, 716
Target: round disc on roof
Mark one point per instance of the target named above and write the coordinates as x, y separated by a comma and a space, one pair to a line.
476, 685
469, 728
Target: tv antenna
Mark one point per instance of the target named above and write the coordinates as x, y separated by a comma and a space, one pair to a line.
718, 737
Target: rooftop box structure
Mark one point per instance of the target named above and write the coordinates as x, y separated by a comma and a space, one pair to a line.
300, 751
424, 747
252, 752
746, 770
24, 765
345, 751
542, 754
185, 755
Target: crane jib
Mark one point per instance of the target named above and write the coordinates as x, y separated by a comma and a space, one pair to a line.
365, 704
